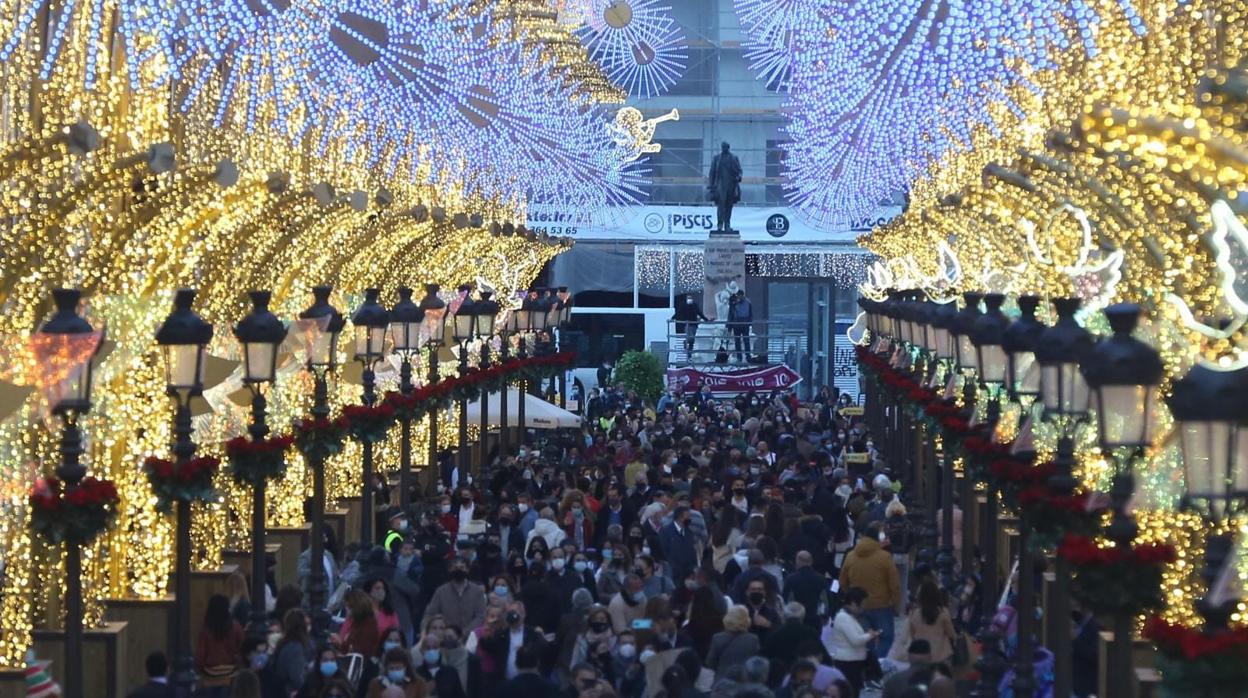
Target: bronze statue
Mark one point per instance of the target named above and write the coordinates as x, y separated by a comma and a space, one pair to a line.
724, 187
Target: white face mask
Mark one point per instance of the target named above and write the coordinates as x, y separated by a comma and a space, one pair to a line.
524, 508
558, 563
446, 508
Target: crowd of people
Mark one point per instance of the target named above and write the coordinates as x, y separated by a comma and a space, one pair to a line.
752, 546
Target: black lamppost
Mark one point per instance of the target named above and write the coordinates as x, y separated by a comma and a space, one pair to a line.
1022, 384
435, 329
966, 362
1123, 375
533, 322
184, 337
260, 334
322, 360
462, 325
370, 321
72, 404
990, 332
1210, 414
485, 312
1059, 349
406, 321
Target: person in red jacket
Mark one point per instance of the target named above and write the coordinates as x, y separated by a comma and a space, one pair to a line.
218, 651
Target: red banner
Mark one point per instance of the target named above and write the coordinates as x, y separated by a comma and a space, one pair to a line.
764, 379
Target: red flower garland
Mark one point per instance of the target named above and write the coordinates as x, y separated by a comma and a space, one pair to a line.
1117, 580
256, 461
369, 424
190, 482
1200, 664
320, 437
76, 516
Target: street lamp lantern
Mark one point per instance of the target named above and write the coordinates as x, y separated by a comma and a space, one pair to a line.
260, 333
1019, 342
486, 311
1211, 414
184, 337
1059, 350
434, 309
943, 317
67, 322
962, 328
370, 321
1123, 374
406, 320
537, 311
464, 321
988, 336
323, 353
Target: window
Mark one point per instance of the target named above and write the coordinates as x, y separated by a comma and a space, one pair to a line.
676, 172
774, 169
699, 78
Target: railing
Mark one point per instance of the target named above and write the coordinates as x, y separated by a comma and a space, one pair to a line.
725, 344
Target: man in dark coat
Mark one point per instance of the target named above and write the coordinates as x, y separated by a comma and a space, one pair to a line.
724, 186
677, 544
806, 586
687, 316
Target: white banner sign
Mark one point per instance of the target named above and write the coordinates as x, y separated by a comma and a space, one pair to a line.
695, 223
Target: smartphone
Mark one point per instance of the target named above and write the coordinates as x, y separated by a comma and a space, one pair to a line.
642, 624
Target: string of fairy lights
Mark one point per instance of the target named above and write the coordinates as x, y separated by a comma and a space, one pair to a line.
250, 177
1133, 197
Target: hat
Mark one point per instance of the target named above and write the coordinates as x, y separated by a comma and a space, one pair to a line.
38, 683
395, 513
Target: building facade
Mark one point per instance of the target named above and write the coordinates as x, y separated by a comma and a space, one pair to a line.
627, 273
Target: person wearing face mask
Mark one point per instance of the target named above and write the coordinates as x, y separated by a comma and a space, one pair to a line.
612, 513
325, 671
596, 644
398, 674
677, 543
578, 524
433, 546
507, 644
405, 587
460, 601
397, 532
465, 509
507, 528
654, 582
628, 605
526, 512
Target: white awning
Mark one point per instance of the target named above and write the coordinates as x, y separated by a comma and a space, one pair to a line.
538, 414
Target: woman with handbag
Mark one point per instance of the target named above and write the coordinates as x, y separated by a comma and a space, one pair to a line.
849, 639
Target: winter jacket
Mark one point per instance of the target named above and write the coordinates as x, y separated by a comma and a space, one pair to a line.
871, 567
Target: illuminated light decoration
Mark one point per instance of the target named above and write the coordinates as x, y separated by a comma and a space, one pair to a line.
1094, 274
881, 90
641, 48
1226, 228
769, 27
634, 135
